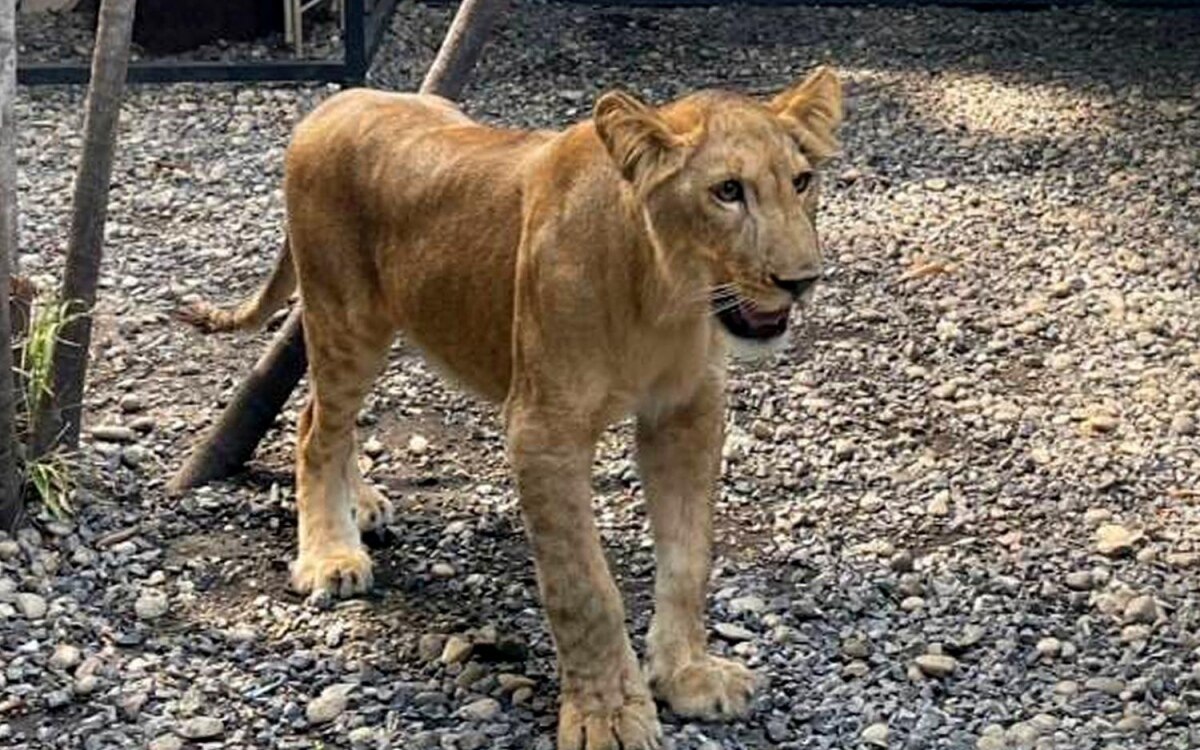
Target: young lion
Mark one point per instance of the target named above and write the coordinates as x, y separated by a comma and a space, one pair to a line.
577, 277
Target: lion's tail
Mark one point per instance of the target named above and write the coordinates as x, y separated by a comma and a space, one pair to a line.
254, 312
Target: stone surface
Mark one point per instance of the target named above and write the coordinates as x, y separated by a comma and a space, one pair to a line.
151, 605
1114, 540
876, 735
483, 709
937, 665
329, 704
31, 606
201, 728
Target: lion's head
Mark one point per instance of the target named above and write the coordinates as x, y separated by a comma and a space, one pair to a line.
728, 190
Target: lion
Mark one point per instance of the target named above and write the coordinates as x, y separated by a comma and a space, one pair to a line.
575, 277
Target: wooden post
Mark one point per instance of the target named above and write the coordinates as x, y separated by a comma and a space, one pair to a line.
261, 396
12, 510
460, 50
59, 423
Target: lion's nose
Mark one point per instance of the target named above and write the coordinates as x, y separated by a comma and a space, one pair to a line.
795, 287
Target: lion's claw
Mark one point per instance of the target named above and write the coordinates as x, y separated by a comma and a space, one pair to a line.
632, 726
341, 572
709, 688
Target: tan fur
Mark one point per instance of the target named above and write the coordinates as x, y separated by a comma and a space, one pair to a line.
568, 276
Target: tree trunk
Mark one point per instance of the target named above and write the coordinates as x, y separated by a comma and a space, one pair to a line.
8, 131
231, 442
60, 420
460, 50
12, 510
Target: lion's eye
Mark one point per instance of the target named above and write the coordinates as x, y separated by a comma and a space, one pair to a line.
802, 181
730, 191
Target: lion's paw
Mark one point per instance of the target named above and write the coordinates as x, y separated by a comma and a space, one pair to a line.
589, 726
709, 688
372, 510
340, 571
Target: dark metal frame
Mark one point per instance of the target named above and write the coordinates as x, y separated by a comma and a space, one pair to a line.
362, 36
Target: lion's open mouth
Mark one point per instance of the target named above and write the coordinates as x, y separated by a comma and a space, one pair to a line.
744, 320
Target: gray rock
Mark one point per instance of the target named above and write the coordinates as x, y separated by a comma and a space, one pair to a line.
1183, 424
856, 647
329, 704
65, 656
430, 646
732, 632
1079, 580
365, 736
111, 433
876, 735
1108, 685
31, 606
991, 742
513, 682
131, 403
937, 665
521, 696
57, 699
456, 650
1022, 735
151, 605
484, 709
418, 445
912, 603
902, 562
201, 728
166, 742
1140, 609
1049, 648
747, 604
1114, 540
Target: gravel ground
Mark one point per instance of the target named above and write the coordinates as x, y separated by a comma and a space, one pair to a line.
963, 511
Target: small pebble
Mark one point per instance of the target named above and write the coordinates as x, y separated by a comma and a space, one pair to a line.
31, 606
732, 632
201, 728
483, 709
876, 735
937, 665
329, 704
456, 650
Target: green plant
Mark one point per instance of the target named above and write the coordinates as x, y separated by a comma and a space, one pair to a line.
35, 366
48, 476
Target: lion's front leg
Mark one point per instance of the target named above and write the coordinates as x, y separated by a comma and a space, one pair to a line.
605, 702
679, 456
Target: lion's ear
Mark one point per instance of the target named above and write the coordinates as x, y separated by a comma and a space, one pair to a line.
813, 110
636, 137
